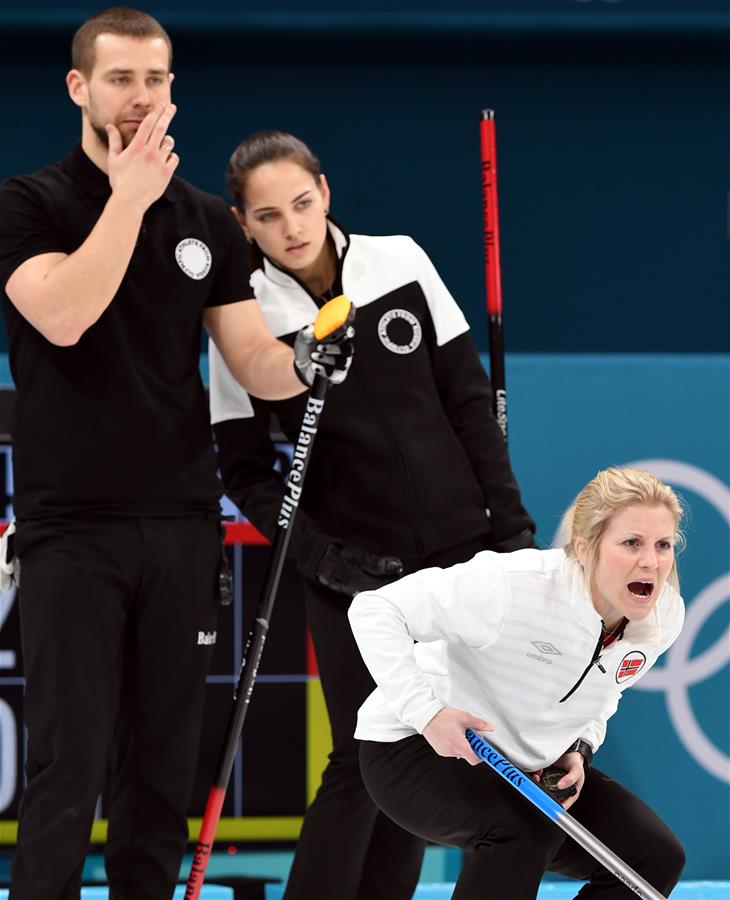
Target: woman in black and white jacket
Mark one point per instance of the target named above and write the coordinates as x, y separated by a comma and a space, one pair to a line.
535, 647
410, 468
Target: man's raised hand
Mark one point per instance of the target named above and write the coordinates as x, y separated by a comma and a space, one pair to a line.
141, 171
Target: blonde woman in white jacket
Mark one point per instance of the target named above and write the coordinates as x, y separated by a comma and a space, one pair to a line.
536, 648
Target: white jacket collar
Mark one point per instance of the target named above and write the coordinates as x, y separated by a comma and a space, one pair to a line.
646, 631
278, 276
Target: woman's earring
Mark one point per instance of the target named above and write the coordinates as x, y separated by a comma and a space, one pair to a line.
327, 211
249, 239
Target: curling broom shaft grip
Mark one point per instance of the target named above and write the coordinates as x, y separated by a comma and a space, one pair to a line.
334, 317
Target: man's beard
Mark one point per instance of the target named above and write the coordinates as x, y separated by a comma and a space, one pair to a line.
100, 131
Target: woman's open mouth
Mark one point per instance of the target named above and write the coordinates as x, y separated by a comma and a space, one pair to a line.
641, 588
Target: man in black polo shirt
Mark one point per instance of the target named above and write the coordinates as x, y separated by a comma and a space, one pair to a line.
108, 266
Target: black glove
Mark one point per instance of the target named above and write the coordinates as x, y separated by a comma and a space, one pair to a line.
525, 539
549, 783
348, 570
331, 358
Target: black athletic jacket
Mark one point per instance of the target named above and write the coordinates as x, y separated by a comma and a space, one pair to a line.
409, 459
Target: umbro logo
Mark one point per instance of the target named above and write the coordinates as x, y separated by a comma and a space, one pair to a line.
543, 647
206, 637
546, 647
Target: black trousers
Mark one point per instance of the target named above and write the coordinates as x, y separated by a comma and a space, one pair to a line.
110, 612
508, 843
348, 849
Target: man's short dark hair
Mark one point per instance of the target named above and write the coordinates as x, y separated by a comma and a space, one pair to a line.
119, 20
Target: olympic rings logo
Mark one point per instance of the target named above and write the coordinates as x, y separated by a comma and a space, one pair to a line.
680, 671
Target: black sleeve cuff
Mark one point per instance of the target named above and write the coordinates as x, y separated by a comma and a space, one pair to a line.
585, 750
524, 540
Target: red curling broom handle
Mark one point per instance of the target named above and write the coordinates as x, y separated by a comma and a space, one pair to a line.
493, 273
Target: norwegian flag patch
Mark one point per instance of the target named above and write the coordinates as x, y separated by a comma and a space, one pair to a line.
630, 665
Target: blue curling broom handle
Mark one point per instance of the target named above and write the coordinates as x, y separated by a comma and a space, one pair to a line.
529, 789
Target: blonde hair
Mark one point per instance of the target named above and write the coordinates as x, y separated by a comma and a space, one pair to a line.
609, 492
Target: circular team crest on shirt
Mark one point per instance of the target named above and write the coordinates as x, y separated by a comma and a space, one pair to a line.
399, 331
630, 665
193, 257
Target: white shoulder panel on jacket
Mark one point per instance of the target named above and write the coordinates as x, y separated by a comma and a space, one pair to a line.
376, 265
285, 305
228, 400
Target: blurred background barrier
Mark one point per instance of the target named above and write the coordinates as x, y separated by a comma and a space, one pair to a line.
613, 140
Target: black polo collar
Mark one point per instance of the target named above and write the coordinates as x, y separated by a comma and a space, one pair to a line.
94, 182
